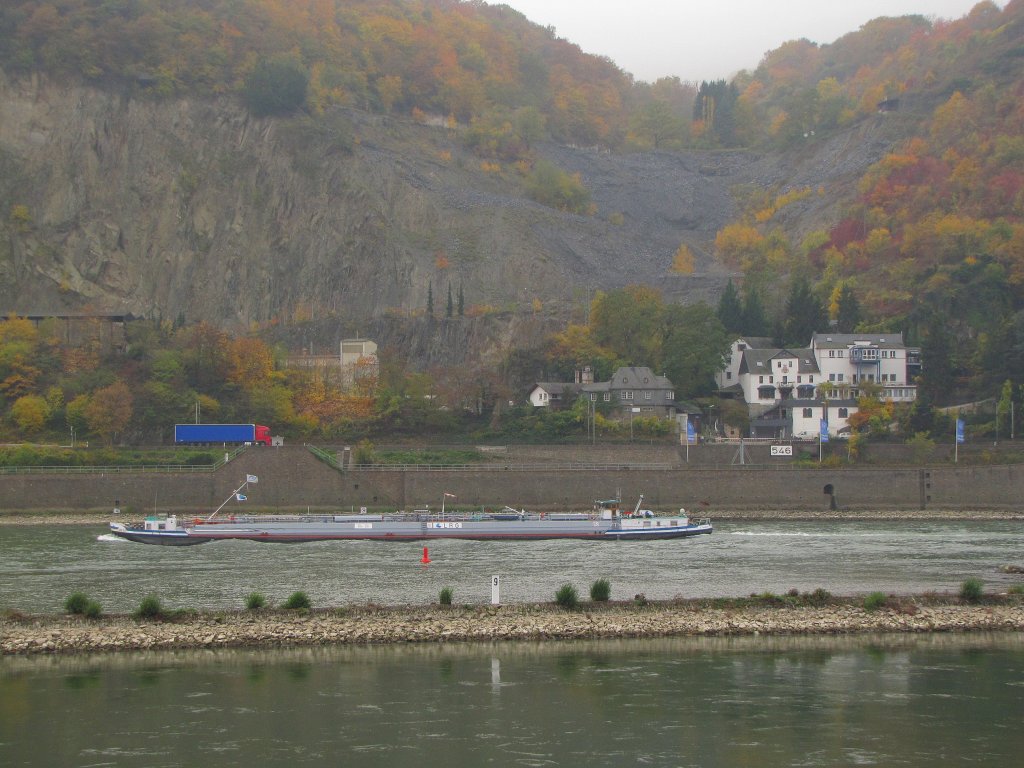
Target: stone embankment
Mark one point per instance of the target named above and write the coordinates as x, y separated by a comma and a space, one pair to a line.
366, 625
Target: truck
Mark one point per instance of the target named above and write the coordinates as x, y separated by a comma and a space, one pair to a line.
207, 434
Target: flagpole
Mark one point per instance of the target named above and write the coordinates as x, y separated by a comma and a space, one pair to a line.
244, 484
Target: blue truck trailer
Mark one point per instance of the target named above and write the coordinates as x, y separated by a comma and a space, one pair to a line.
208, 434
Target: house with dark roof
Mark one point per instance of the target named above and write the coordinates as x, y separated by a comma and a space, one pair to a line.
633, 390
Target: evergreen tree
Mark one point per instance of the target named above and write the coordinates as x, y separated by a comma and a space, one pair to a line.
937, 376
730, 311
847, 310
805, 315
755, 321
462, 302
450, 308
922, 415
430, 299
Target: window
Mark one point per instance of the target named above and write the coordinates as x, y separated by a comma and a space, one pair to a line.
808, 413
844, 412
593, 397
799, 379
831, 377
810, 379
647, 395
627, 394
839, 377
760, 379
728, 375
607, 397
831, 353
670, 395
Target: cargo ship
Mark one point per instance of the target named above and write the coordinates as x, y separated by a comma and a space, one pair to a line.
606, 522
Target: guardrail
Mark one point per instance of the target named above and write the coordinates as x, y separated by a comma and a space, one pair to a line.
124, 468
511, 467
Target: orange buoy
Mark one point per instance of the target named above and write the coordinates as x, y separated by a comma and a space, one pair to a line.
426, 556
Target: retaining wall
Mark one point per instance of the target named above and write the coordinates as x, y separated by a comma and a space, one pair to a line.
292, 478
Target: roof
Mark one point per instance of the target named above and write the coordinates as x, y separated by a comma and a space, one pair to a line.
758, 361
557, 387
757, 342
638, 376
844, 340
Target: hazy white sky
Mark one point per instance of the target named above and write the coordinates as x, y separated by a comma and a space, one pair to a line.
711, 39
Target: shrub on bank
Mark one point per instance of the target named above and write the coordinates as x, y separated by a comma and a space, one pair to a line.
76, 603
149, 608
297, 601
971, 590
874, 601
79, 604
255, 601
567, 597
445, 598
600, 591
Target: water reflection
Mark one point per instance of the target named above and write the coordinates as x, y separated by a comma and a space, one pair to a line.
909, 700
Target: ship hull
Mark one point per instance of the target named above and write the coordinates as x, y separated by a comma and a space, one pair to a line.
350, 528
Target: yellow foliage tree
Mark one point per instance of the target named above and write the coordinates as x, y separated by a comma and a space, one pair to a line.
683, 261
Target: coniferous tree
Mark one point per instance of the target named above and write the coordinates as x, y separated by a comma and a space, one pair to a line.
805, 315
450, 308
755, 321
730, 310
430, 299
462, 302
847, 310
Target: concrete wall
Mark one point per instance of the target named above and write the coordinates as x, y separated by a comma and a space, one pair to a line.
292, 478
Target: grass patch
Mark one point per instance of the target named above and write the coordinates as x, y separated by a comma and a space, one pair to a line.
600, 591
445, 596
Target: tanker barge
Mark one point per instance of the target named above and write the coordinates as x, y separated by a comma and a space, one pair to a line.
605, 523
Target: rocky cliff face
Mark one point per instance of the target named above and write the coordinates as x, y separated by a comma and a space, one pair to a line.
118, 203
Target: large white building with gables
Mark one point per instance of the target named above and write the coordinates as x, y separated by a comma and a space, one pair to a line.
789, 391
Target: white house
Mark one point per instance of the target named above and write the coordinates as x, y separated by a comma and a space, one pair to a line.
783, 387
848, 360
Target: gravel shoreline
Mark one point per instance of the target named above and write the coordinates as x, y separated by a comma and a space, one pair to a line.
61, 634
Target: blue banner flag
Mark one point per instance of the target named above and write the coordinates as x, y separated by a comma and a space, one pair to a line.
241, 496
959, 430
823, 430
691, 435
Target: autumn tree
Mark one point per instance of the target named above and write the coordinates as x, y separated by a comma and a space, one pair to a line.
109, 411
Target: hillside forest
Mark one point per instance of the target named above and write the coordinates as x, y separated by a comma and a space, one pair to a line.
928, 241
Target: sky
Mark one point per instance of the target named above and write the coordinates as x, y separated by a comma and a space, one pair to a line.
711, 39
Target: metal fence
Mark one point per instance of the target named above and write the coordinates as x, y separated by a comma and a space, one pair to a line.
124, 468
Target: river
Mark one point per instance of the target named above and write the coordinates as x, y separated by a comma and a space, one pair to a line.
912, 701
885, 701
42, 565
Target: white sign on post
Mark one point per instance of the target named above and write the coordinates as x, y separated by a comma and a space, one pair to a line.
495, 583
782, 450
